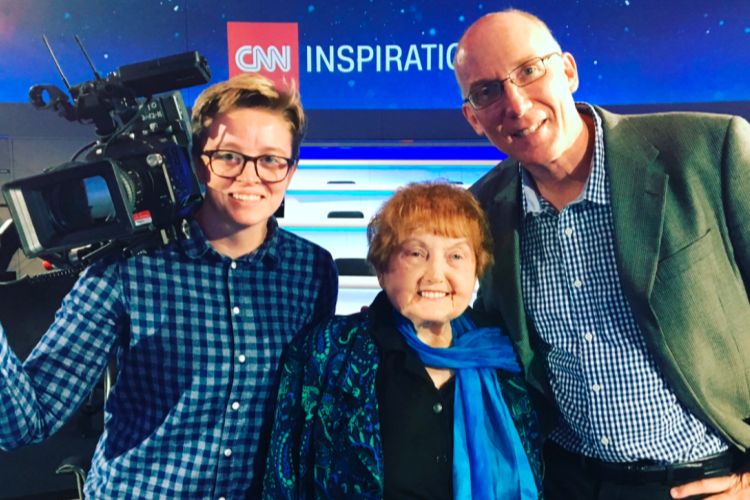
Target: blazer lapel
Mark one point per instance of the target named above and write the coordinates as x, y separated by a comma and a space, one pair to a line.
638, 193
501, 287
506, 273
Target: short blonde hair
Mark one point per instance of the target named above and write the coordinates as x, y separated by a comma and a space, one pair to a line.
435, 207
248, 90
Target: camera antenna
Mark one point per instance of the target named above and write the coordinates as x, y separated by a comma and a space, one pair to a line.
80, 44
65, 80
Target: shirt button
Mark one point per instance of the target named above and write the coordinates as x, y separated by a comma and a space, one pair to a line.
589, 337
227, 452
596, 387
437, 408
605, 441
234, 265
441, 459
241, 358
577, 283
236, 310
235, 406
569, 231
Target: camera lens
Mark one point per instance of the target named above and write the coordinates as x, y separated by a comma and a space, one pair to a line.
133, 186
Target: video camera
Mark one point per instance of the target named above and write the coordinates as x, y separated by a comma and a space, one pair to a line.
138, 181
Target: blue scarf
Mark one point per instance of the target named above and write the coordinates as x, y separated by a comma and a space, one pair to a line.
489, 461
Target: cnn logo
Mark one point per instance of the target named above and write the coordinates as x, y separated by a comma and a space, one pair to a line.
271, 49
260, 59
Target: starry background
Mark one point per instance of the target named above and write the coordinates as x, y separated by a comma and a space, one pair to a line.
628, 51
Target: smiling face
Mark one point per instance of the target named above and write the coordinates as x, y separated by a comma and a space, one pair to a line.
245, 203
538, 124
430, 279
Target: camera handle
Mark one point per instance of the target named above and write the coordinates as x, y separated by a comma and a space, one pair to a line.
58, 101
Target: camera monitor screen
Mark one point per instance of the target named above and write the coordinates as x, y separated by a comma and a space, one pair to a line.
69, 207
80, 204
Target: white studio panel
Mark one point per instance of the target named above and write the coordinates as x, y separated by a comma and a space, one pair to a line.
320, 187
314, 207
319, 173
340, 242
355, 292
351, 300
454, 176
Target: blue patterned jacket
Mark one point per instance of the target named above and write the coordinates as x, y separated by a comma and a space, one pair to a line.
326, 436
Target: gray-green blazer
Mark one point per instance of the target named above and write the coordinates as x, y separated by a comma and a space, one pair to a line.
680, 193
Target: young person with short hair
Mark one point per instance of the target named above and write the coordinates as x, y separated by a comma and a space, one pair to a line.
208, 317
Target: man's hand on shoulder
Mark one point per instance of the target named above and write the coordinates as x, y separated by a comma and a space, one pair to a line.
733, 487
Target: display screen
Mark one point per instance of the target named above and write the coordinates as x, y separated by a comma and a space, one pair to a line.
383, 55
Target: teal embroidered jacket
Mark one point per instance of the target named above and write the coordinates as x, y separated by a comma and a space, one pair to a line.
326, 437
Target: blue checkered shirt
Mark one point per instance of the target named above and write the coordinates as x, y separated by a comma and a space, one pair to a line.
616, 405
198, 378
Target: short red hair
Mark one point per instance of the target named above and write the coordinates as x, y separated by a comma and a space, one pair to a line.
434, 207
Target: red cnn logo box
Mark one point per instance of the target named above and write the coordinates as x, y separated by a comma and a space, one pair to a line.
271, 49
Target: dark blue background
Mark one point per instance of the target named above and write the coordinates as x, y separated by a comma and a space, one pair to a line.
628, 52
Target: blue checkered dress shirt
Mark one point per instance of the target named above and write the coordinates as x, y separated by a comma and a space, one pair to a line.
616, 405
196, 381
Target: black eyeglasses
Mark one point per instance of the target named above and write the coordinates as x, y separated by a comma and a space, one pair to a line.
230, 164
491, 91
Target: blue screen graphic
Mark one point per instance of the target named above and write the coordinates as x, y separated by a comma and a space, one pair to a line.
627, 51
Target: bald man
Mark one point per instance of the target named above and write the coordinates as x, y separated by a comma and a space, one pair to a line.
622, 253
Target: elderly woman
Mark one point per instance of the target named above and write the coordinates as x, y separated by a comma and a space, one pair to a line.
417, 397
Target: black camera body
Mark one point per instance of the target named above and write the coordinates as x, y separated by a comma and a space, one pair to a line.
138, 181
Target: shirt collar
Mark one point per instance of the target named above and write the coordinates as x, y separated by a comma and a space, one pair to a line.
595, 189
197, 245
